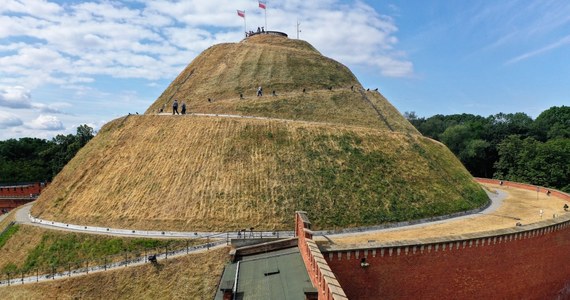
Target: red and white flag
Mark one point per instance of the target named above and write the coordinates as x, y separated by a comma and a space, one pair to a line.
263, 4
241, 13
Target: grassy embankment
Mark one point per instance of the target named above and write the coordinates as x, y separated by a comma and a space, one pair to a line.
189, 277
30, 248
200, 173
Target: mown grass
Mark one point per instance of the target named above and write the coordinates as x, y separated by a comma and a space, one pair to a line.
205, 173
46, 249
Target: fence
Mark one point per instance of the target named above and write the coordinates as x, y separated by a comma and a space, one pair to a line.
109, 262
243, 233
129, 258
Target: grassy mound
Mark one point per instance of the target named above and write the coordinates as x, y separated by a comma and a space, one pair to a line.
207, 173
213, 82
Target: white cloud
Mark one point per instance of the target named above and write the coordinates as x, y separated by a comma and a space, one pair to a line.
156, 39
15, 97
561, 42
9, 120
35, 7
74, 46
46, 122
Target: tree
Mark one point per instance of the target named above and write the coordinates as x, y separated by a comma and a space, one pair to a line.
552, 123
32, 159
535, 162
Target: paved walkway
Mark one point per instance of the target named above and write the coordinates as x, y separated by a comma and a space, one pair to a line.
512, 207
23, 217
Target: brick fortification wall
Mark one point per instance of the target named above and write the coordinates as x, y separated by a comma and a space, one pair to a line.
529, 187
530, 262
21, 190
321, 275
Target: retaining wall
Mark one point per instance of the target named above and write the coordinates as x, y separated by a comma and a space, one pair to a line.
528, 262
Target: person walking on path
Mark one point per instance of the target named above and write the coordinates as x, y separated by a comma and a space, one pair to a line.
175, 107
183, 108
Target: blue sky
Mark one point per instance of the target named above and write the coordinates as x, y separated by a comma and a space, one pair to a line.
67, 63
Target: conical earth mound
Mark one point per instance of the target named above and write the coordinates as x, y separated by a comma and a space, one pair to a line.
320, 143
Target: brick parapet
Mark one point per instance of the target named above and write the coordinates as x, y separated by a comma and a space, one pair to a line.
528, 264
530, 187
322, 277
21, 190
518, 262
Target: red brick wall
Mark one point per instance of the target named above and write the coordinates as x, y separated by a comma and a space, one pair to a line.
320, 273
525, 265
23, 190
525, 186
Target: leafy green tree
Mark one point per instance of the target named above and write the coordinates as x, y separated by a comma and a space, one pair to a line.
531, 161
32, 159
552, 123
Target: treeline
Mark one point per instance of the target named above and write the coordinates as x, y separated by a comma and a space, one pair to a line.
33, 159
507, 146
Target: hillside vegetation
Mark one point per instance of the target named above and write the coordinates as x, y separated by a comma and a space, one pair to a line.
332, 93
189, 277
342, 153
207, 173
30, 249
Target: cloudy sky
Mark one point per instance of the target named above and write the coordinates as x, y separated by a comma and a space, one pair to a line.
64, 63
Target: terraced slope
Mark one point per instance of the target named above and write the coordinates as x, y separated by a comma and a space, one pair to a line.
207, 173
223, 72
345, 155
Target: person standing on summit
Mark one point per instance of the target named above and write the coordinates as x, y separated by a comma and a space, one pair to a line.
175, 107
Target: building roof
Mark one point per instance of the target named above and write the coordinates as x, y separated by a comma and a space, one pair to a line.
278, 274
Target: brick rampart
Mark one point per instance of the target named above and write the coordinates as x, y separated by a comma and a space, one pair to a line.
524, 186
322, 277
528, 262
21, 190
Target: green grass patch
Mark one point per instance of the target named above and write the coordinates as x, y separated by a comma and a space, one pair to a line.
7, 234
57, 249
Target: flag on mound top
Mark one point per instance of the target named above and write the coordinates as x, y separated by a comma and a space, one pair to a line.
263, 4
241, 13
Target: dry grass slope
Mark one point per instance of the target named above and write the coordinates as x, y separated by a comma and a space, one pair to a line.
189, 277
204, 173
224, 71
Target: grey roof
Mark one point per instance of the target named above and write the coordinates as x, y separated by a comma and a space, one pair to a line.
278, 274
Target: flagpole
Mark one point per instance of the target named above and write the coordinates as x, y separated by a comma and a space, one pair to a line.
244, 24
266, 18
